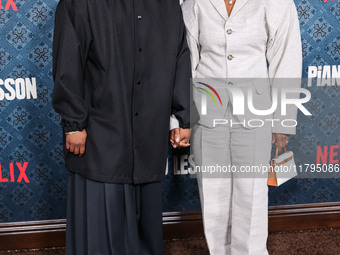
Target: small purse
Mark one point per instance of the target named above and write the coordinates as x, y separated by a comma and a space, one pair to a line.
282, 168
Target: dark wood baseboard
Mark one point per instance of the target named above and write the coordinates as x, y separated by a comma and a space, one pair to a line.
176, 225
181, 225
32, 234
304, 216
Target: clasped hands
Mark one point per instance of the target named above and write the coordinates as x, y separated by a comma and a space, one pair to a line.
75, 142
180, 137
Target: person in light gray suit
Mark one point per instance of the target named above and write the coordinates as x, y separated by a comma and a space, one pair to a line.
249, 44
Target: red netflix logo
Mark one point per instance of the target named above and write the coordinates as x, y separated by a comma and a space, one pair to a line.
22, 174
327, 154
9, 3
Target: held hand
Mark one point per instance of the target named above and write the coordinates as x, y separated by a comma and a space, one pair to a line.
180, 137
185, 137
280, 140
75, 143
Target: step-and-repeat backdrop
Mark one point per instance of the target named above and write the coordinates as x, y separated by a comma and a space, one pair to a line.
33, 176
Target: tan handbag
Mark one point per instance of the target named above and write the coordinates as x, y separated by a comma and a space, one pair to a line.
282, 168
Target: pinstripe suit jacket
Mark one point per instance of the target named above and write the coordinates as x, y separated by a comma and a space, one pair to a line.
260, 43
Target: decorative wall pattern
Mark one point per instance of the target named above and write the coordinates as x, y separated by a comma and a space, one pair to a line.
30, 130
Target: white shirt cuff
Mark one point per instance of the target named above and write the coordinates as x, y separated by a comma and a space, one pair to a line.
174, 123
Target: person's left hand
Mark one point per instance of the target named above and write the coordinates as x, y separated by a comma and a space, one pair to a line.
280, 140
180, 137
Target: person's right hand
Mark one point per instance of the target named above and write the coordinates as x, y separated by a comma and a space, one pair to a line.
75, 143
280, 140
180, 137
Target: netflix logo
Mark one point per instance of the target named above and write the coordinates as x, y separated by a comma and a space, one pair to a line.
327, 154
9, 3
14, 170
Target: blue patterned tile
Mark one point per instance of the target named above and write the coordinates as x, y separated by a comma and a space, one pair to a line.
305, 12
319, 30
21, 195
307, 48
41, 55
20, 154
40, 210
19, 118
19, 36
309, 142
55, 117
19, 71
329, 124
5, 58
323, 194
58, 189
335, 10
41, 174
5, 139
333, 92
56, 154
318, 60
40, 136
43, 96
306, 184
316, 106
6, 214
4, 18
39, 14
333, 49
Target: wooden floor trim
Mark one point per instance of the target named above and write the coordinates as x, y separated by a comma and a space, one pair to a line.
176, 225
304, 216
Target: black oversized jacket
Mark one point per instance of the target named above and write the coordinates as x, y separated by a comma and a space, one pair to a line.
121, 67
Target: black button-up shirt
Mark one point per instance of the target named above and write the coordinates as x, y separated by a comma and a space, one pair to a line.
121, 68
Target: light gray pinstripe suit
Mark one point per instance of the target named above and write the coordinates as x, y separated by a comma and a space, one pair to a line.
240, 46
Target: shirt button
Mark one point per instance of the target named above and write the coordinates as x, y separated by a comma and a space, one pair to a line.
230, 57
229, 31
230, 83
139, 17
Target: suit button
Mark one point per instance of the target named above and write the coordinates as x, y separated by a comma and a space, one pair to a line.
138, 82
136, 113
230, 83
139, 17
139, 49
229, 31
230, 57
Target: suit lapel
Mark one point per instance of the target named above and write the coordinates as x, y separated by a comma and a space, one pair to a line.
238, 6
221, 8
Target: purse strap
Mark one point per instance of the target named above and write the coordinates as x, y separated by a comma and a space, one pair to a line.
277, 151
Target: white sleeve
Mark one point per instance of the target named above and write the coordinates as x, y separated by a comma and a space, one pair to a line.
284, 55
174, 123
190, 16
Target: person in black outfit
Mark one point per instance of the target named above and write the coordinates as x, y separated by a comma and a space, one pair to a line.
121, 68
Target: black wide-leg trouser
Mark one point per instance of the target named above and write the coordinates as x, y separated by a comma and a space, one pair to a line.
113, 219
